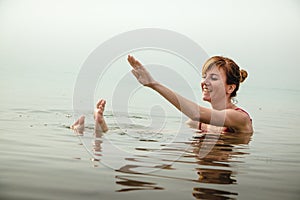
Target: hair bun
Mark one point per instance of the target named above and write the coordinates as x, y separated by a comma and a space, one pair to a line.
244, 75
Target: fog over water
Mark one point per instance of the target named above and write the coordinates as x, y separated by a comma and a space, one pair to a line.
44, 39
43, 48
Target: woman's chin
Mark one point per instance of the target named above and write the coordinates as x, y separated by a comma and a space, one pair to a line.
206, 98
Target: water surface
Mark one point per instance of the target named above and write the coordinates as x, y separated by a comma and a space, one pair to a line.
42, 159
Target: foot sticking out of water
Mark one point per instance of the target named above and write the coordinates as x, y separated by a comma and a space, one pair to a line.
100, 124
78, 126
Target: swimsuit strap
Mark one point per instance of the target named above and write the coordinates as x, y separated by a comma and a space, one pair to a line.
243, 111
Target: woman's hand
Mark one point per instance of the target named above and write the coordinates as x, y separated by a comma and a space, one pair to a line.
140, 72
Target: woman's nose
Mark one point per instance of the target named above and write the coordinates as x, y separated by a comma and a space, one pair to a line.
203, 84
204, 81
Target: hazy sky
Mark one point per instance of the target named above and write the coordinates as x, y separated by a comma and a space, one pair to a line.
56, 36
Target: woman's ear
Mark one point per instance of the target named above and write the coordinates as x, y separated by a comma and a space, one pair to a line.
230, 88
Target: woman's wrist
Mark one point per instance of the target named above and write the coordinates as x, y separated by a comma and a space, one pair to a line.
152, 85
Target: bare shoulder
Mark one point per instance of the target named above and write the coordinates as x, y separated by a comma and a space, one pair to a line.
238, 112
239, 119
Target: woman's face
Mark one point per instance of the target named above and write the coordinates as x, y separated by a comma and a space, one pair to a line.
213, 85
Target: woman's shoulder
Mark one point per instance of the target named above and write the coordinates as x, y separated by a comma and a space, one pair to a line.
248, 126
242, 110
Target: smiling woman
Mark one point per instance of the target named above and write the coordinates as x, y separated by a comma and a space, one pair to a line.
221, 79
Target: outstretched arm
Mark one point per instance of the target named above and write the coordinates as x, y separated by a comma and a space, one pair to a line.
228, 118
189, 108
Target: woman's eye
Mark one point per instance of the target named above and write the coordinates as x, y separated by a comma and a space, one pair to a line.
214, 77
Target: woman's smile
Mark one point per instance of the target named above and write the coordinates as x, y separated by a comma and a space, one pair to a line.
206, 89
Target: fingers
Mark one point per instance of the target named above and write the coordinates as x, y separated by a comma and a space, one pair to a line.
136, 74
133, 62
137, 63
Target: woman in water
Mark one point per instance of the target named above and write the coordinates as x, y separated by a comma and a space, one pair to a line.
221, 80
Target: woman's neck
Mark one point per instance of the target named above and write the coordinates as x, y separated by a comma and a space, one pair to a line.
222, 105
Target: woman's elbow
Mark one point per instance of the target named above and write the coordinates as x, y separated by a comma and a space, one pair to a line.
195, 117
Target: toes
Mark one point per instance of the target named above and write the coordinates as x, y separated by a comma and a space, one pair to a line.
101, 103
98, 103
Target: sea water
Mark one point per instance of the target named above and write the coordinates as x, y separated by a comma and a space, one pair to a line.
145, 155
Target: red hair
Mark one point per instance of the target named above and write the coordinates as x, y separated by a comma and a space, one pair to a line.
233, 73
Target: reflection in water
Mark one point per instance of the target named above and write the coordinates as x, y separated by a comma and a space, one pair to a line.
215, 168
97, 148
131, 184
228, 147
217, 176
205, 193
